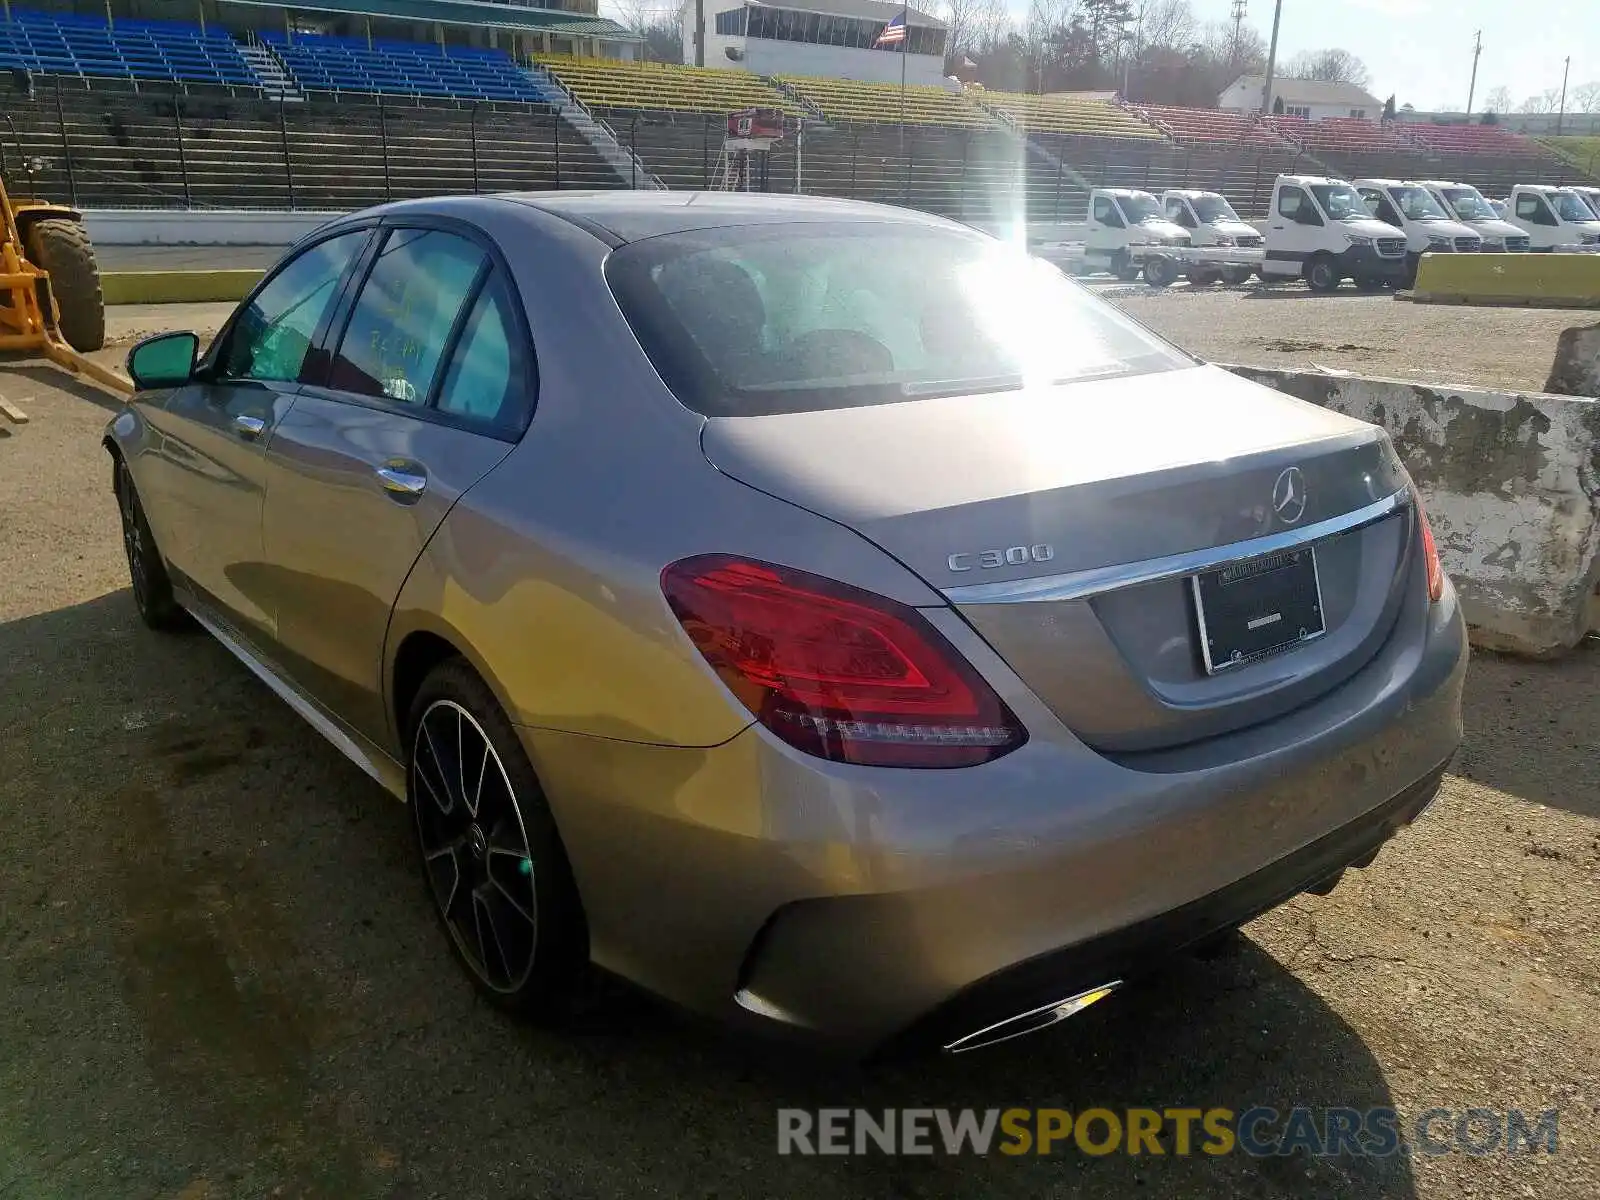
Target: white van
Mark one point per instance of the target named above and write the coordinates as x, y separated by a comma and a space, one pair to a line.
1467, 204
1124, 226
1590, 194
1553, 217
1411, 208
1211, 221
1320, 230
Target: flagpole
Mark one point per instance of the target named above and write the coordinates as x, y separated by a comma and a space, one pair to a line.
905, 46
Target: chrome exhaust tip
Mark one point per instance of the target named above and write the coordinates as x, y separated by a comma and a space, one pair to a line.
1031, 1021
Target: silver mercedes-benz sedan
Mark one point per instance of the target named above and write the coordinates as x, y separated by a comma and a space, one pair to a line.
821, 614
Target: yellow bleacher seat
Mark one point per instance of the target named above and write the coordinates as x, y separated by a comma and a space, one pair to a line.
880, 103
1066, 114
615, 83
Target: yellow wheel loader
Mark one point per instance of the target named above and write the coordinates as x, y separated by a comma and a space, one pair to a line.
50, 299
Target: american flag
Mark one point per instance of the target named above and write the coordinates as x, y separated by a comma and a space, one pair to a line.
894, 32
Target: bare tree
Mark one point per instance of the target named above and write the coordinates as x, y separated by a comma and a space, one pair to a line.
1330, 66
1547, 101
1586, 98
638, 16
973, 25
1498, 100
1164, 24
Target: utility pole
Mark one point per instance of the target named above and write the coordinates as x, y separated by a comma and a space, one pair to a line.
1562, 112
699, 33
1272, 60
1239, 7
1472, 88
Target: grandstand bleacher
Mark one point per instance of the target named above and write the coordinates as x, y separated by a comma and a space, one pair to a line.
848, 100
347, 64
662, 87
1066, 114
64, 44
1209, 126
1351, 135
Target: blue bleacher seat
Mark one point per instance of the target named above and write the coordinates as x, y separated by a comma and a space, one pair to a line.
401, 68
80, 44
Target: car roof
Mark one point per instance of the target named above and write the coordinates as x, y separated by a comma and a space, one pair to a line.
626, 216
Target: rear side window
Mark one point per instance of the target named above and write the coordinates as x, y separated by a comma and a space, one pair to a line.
760, 319
403, 318
271, 337
481, 381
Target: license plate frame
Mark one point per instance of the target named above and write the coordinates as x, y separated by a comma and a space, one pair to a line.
1239, 607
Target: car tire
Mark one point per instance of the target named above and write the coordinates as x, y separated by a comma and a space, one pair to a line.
1234, 276
1124, 268
147, 572
1158, 272
491, 859
1322, 275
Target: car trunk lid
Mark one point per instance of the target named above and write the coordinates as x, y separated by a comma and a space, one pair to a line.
1038, 513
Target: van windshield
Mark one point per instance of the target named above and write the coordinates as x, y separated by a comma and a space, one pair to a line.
748, 320
1469, 205
1209, 207
1341, 201
1569, 208
1417, 204
1141, 206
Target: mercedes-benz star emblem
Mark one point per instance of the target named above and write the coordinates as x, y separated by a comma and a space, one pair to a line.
1289, 496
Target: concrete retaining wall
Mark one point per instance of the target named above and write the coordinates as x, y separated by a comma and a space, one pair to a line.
202, 227
1512, 486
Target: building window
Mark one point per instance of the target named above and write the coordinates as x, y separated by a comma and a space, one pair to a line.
1359, 113
783, 25
1297, 110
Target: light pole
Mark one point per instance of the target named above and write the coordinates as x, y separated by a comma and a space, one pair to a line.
1562, 112
1272, 59
1472, 88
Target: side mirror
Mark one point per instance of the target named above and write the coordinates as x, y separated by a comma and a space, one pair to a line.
163, 361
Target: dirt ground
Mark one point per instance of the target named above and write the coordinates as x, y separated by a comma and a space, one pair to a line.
221, 978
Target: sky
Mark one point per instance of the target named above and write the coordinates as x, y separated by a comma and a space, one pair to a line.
1421, 50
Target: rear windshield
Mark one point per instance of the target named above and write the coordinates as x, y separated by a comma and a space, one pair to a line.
759, 319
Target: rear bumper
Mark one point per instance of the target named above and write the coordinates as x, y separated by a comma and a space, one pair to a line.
845, 904
1136, 949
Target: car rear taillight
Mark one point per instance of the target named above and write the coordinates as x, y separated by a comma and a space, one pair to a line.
1430, 551
836, 671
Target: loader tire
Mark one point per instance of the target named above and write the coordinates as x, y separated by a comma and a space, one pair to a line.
64, 250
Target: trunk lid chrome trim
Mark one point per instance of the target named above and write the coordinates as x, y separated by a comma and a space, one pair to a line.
1078, 585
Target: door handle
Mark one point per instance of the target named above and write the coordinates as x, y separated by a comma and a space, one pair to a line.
248, 427
402, 484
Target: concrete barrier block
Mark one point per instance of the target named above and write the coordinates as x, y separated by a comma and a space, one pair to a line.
1512, 486
177, 287
1576, 370
1539, 280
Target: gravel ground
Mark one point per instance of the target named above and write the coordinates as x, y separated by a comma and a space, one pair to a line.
222, 980
1289, 326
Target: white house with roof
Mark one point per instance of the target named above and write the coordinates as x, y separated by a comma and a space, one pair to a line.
814, 37
1312, 99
